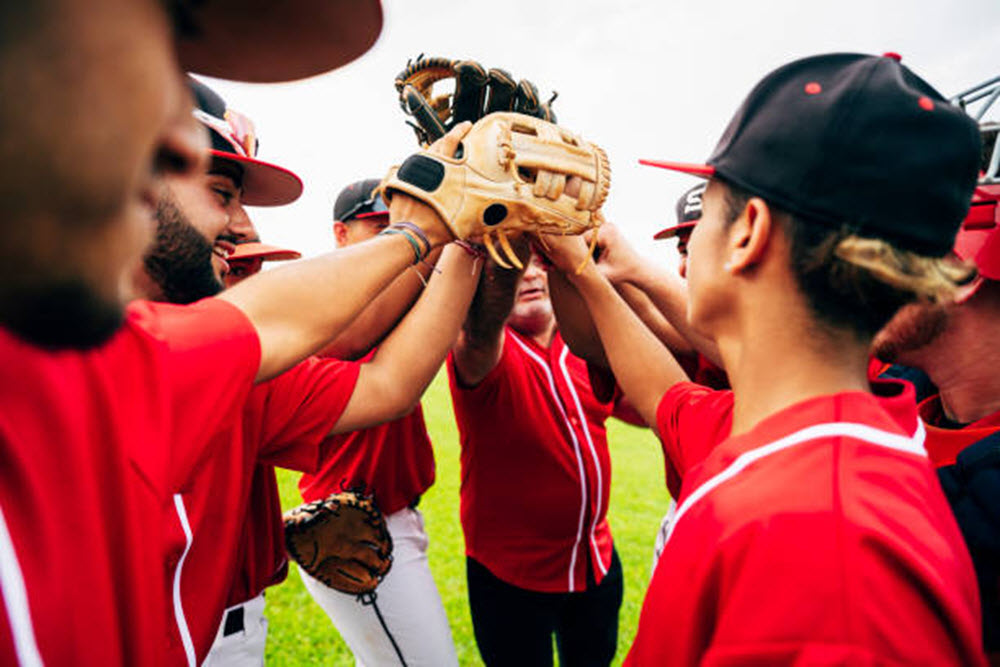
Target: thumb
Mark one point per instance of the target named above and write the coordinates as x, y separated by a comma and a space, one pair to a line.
448, 144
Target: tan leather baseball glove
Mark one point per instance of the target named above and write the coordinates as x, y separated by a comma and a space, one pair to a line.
509, 176
341, 541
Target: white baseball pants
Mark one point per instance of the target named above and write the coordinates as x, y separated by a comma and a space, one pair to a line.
661, 537
241, 642
406, 624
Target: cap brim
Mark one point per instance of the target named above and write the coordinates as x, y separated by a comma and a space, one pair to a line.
702, 170
370, 214
264, 184
267, 252
265, 41
671, 232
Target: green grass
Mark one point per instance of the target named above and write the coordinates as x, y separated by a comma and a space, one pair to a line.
300, 633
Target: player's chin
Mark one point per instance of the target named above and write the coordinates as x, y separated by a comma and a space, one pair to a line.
911, 330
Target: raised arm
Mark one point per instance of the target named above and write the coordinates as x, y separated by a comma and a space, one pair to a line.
381, 315
480, 342
299, 308
649, 287
644, 367
578, 330
391, 384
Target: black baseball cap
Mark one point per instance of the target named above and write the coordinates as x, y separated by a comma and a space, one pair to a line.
853, 139
688, 211
266, 41
359, 200
233, 138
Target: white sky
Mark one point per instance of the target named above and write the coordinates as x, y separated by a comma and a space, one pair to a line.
648, 78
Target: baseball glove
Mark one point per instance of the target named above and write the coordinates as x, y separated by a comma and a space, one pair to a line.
477, 92
341, 541
510, 176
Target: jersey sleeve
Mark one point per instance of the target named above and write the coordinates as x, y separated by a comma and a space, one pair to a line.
691, 419
212, 357
303, 406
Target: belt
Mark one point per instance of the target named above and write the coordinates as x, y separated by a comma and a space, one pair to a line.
233, 622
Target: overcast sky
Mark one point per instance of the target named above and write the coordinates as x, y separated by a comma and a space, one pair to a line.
653, 79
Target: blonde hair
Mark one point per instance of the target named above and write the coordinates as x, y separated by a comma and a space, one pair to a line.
857, 282
933, 279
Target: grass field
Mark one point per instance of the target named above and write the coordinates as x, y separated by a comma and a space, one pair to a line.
301, 634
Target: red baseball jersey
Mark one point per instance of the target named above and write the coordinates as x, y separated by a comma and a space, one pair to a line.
229, 516
92, 444
821, 536
702, 371
535, 468
394, 461
945, 444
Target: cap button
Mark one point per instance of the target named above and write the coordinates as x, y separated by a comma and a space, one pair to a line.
892, 54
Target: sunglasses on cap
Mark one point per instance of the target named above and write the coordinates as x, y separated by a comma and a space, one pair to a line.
235, 128
374, 204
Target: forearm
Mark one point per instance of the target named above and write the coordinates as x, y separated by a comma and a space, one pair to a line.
297, 308
381, 315
643, 367
575, 324
668, 294
480, 342
654, 319
577, 327
408, 359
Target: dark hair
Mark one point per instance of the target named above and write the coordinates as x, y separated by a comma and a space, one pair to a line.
852, 282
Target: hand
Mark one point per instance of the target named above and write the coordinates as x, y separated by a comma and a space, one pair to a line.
617, 260
569, 254
403, 207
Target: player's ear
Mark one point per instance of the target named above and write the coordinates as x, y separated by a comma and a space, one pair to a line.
340, 233
749, 236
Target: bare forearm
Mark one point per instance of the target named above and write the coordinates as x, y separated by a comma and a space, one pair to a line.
480, 342
654, 319
298, 308
644, 368
575, 324
668, 294
381, 315
391, 384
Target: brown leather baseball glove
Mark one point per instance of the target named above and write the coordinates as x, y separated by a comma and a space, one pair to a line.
477, 92
510, 176
341, 541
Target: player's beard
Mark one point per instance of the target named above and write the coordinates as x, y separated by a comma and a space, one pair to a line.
914, 327
63, 314
180, 260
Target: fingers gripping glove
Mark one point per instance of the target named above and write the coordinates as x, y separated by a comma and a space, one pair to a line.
477, 92
510, 175
341, 541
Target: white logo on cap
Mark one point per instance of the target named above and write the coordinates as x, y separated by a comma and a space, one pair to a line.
692, 203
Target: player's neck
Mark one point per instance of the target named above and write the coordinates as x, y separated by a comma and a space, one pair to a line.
542, 334
962, 364
775, 362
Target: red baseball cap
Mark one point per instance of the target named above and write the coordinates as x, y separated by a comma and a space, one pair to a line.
269, 253
266, 41
234, 139
978, 240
